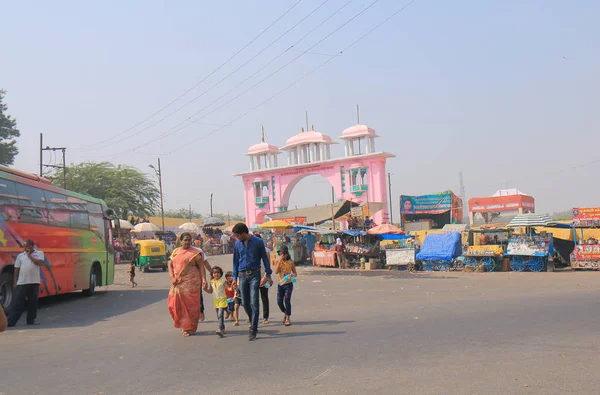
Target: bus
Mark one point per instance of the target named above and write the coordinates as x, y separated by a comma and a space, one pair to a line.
72, 230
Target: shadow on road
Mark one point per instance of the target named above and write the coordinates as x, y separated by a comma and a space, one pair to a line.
376, 273
74, 310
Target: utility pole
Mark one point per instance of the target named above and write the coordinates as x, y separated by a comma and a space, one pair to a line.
332, 204
41, 154
211, 210
162, 207
390, 198
54, 149
190, 213
307, 120
357, 115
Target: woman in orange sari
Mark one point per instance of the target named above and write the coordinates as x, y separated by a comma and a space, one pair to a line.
186, 270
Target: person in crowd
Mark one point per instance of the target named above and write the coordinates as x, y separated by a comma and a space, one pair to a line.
27, 280
225, 243
340, 253
248, 253
3, 322
230, 293
186, 270
286, 271
237, 302
264, 288
219, 288
132, 275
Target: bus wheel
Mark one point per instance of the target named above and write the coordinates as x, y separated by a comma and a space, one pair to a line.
164, 269
6, 291
93, 282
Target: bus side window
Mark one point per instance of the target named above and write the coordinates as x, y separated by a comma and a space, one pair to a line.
9, 200
58, 212
32, 205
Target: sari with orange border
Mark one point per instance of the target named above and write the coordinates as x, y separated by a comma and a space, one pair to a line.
184, 298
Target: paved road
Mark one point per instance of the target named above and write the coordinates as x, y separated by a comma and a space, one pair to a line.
353, 333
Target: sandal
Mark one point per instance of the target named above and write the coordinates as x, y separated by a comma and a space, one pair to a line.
287, 322
265, 321
236, 324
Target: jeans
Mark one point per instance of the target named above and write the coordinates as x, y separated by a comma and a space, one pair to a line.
221, 318
249, 288
26, 296
264, 298
284, 298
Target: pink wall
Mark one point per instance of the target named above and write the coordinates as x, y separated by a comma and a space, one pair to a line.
287, 177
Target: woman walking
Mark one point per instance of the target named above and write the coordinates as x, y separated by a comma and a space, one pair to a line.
186, 270
286, 270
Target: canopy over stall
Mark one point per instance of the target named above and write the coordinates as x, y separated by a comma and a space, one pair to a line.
316, 215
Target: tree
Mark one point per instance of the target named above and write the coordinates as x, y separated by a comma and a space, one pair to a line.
180, 213
8, 134
125, 189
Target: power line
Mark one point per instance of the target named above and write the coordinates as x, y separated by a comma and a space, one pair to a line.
216, 84
301, 78
282, 90
253, 74
166, 134
202, 80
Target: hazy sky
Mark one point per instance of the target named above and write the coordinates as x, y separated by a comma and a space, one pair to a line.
507, 92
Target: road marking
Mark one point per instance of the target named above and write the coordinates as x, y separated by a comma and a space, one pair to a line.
326, 373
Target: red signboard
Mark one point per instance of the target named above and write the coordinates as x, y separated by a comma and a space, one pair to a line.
586, 216
587, 252
497, 204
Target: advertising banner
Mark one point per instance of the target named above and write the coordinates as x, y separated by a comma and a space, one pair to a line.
587, 252
426, 204
586, 216
497, 204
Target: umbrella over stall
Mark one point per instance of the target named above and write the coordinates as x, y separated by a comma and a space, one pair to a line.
190, 227
275, 224
528, 220
213, 221
145, 227
122, 224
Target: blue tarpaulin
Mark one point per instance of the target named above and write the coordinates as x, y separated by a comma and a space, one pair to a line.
354, 233
440, 247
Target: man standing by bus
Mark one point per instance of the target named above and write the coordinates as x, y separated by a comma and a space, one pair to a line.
27, 283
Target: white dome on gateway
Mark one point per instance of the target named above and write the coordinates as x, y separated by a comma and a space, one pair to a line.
263, 155
359, 140
308, 147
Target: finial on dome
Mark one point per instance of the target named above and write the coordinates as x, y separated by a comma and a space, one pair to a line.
302, 130
262, 135
313, 128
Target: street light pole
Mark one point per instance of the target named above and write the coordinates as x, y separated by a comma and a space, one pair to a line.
162, 207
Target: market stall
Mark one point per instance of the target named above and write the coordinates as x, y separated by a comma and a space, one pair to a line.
439, 251
324, 253
400, 251
486, 247
586, 254
528, 250
362, 248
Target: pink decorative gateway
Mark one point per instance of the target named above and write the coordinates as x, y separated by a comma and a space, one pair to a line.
359, 176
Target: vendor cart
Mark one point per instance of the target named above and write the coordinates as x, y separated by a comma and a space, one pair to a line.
586, 235
486, 247
439, 251
528, 250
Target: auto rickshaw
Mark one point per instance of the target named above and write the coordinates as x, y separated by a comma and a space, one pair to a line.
152, 255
